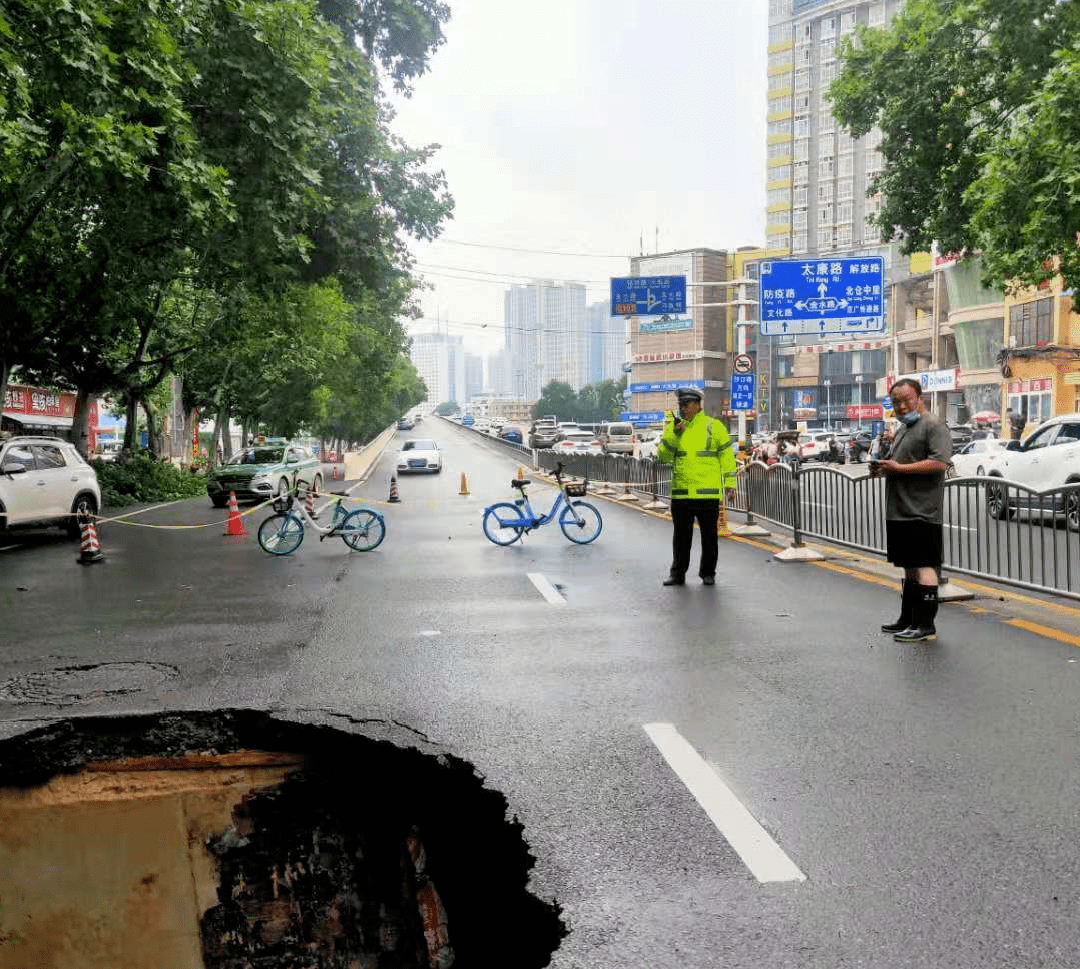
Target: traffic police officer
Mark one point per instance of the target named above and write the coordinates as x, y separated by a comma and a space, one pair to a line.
699, 449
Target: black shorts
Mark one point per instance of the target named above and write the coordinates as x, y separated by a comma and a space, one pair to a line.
913, 544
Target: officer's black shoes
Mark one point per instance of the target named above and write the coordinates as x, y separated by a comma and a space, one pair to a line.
674, 580
896, 627
916, 634
708, 580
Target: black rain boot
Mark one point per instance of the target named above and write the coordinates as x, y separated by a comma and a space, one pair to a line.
909, 588
922, 628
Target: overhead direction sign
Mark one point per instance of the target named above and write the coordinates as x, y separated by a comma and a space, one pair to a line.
647, 295
823, 296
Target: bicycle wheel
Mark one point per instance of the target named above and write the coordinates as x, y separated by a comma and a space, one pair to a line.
503, 524
281, 534
362, 530
580, 522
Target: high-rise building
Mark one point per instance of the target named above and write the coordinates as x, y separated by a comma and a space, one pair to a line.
440, 360
817, 177
474, 375
606, 343
546, 326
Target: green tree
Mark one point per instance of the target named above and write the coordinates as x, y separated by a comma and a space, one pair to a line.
557, 398
447, 408
957, 88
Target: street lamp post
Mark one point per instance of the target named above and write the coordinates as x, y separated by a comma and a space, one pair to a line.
858, 381
828, 401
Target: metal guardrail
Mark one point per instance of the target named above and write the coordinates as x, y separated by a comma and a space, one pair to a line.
993, 528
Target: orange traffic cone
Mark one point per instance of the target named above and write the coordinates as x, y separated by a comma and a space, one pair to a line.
464, 485
309, 504
89, 548
334, 475
236, 522
393, 490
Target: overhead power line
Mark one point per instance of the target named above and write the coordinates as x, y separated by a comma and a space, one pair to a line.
508, 279
541, 252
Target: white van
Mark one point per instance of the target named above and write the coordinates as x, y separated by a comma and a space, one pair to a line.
618, 437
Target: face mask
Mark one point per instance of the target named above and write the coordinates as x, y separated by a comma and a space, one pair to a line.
910, 417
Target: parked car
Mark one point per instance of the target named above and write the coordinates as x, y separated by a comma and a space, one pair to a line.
578, 442
109, 451
44, 480
263, 470
405, 423
512, 434
648, 441
974, 458
543, 434
618, 437
813, 446
419, 455
962, 435
1047, 458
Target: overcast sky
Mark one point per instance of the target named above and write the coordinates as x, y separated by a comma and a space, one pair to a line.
583, 126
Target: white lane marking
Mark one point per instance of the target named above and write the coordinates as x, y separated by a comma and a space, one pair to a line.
546, 589
763, 856
8, 548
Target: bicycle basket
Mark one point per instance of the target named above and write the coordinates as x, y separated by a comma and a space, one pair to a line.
283, 504
576, 490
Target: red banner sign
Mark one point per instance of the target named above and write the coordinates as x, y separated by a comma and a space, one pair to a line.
864, 412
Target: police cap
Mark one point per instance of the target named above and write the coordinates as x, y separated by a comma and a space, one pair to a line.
689, 393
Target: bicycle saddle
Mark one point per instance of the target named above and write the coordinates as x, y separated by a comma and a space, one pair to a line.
520, 482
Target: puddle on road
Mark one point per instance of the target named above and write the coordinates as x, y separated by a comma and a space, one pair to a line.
235, 839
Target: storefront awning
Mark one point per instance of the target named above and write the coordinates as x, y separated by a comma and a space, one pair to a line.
37, 420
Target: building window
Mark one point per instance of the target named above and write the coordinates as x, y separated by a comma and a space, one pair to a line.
825, 215
798, 242
845, 187
802, 80
778, 196
843, 236
1036, 406
802, 149
802, 173
827, 50
799, 220
843, 212
825, 191
779, 8
782, 127
800, 197
779, 81
781, 149
780, 104
780, 34
780, 57
826, 122
778, 241
802, 127
1032, 323
871, 232
847, 22
877, 14
828, 27
826, 148
779, 173
826, 167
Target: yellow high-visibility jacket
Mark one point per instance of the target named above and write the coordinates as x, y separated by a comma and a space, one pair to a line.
704, 463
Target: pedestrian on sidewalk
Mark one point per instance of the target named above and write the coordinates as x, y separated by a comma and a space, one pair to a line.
914, 475
703, 468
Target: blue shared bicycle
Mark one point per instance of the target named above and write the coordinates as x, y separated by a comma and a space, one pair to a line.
505, 522
281, 533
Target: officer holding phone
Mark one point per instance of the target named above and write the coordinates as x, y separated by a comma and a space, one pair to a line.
703, 468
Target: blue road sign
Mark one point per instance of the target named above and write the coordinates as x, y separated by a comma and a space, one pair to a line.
823, 296
742, 391
642, 417
647, 295
468, 420
662, 385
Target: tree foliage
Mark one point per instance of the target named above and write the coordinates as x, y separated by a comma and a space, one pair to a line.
972, 98
213, 188
594, 403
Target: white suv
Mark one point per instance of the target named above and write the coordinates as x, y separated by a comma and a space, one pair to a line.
1049, 457
45, 480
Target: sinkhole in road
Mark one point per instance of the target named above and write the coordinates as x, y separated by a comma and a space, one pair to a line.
237, 838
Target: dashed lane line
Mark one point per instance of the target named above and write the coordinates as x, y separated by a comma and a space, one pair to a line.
750, 841
546, 589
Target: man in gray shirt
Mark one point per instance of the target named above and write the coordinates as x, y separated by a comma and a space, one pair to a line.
914, 473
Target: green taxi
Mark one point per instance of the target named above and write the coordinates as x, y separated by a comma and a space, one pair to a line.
263, 470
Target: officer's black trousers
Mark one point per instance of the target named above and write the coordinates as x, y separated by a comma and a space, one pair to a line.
683, 513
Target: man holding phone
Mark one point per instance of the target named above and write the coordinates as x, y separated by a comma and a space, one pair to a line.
703, 468
914, 473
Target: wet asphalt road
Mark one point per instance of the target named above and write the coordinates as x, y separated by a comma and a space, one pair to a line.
929, 794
